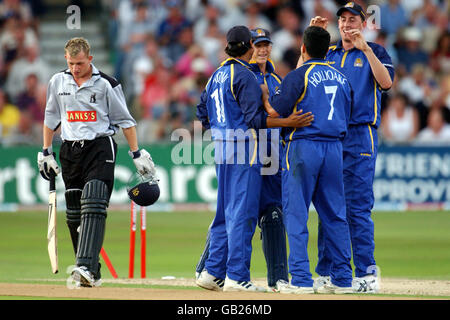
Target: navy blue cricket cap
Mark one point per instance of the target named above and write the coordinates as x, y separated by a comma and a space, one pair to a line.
239, 34
259, 35
354, 8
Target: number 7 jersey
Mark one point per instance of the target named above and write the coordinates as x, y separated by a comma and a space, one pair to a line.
319, 88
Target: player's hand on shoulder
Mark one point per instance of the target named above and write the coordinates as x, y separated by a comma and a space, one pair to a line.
47, 164
143, 162
298, 119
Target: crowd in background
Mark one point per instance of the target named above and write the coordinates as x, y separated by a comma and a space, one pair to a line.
163, 52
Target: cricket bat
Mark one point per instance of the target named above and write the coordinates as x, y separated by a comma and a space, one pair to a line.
51, 232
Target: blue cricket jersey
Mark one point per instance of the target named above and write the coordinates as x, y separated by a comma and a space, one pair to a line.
231, 100
270, 78
367, 92
318, 88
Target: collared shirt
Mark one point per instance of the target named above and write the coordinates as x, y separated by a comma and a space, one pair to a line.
270, 78
354, 65
231, 100
318, 88
96, 109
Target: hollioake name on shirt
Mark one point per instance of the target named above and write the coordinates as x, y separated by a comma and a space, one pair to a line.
317, 77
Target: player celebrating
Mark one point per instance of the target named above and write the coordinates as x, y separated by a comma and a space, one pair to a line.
89, 106
273, 234
313, 162
270, 215
231, 102
369, 70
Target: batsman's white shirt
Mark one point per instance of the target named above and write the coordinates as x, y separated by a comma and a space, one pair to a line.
96, 109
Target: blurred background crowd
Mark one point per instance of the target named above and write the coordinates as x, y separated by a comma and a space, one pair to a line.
163, 52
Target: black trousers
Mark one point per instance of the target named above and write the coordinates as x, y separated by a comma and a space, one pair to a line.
82, 161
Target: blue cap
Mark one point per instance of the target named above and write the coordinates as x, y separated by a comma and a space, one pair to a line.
354, 8
259, 35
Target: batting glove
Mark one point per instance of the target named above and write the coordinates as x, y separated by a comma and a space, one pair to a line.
47, 164
143, 162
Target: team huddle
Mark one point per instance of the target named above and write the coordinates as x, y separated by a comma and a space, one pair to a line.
326, 113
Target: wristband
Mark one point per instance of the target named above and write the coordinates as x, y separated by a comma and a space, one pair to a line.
47, 151
136, 154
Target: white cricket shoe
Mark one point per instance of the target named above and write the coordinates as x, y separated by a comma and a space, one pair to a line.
330, 288
209, 282
296, 290
320, 282
367, 284
84, 278
232, 285
278, 286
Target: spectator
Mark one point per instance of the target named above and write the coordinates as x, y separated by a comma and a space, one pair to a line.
284, 38
431, 21
213, 43
440, 58
155, 101
14, 37
31, 62
409, 52
170, 28
290, 56
32, 99
143, 67
411, 6
184, 66
133, 45
437, 132
440, 97
392, 17
27, 132
214, 15
254, 18
418, 88
325, 9
17, 8
177, 49
9, 117
400, 122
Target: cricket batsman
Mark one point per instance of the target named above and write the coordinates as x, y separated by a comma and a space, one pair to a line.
88, 107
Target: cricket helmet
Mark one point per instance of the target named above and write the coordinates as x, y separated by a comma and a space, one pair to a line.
144, 191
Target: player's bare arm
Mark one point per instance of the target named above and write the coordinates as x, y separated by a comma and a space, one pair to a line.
265, 98
47, 137
297, 119
130, 135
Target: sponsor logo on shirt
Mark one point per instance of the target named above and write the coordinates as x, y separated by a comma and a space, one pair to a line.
82, 116
64, 93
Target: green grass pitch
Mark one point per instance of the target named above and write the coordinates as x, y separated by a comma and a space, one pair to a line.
408, 245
